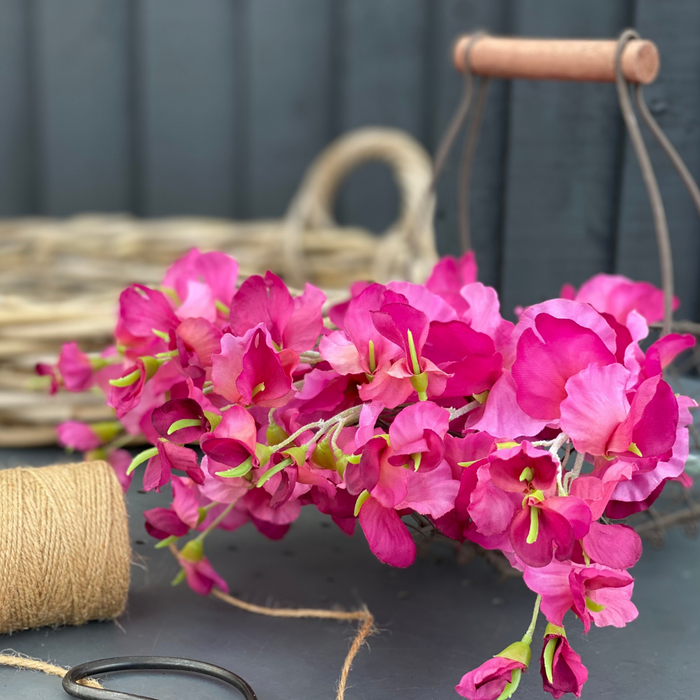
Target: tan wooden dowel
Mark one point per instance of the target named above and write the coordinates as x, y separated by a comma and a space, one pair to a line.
558, 59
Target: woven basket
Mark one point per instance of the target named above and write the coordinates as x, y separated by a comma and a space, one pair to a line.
60, 279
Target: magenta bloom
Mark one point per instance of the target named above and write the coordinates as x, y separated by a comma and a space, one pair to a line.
387, 536
547, 356
521, 468
449, 276
549, 528
141, 310
250, 371
406, 327
560, 666
491, 678
416, 436
77, 436
601, 420
293, 323
200, 280
164, 522
75, 368
201, 576
470, 357
594, 593
171, 456
619, 295
174, 412
233, 441
359, 348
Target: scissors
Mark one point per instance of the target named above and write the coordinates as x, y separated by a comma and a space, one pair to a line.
136, 663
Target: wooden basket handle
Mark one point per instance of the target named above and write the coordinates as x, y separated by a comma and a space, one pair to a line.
407, 249
558, 59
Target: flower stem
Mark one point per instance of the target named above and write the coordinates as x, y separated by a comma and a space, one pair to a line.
527, 638
457, 412
216, 522
558, 443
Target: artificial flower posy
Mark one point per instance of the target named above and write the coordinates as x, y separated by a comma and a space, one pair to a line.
407, 398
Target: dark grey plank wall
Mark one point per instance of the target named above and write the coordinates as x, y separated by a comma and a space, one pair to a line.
215, 107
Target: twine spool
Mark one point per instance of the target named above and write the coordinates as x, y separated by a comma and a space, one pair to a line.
64, 546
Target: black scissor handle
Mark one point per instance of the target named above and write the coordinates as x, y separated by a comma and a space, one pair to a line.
136, 663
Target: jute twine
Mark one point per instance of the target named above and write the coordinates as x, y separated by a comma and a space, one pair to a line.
64, 544
65, 555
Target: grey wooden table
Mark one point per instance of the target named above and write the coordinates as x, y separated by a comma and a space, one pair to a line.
438, 620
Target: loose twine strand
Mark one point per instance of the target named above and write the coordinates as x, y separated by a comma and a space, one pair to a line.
18, 660
366, 629
67, 556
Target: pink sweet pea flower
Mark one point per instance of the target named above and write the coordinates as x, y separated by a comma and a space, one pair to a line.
215, 271
407, 328
197, 341
387, 536
77, 436
470, 357
634, 494
449, 276
619, 295
416, 436
547, 356
170, 456
489, 681
522, 468
249, 370
549, 528
359, 348
594, 593
141, 310
560, 666
162, 523
201, 576
293, 323
600, 420
233, 441
75, 368
174, 412
120, 461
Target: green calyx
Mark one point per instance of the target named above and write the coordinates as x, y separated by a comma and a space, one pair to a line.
263, 453
106, 430
275, 434
166, 542
420, 383
554, 629
517, 651
179, 578
213, 418
193, 550
298, 454
324, 457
